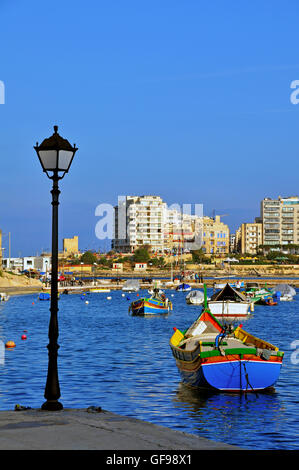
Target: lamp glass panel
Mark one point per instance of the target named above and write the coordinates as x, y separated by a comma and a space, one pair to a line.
65, 158
48, 159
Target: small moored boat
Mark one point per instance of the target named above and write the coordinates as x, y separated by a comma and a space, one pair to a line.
156, 304
183, 287
4, 297
195, 297
220, 357
229, 303
97, 290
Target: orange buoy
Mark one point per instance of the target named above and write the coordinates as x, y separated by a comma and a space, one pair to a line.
10, 344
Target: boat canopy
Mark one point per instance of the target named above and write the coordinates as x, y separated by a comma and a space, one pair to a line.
228, 293
285, 289
195, 294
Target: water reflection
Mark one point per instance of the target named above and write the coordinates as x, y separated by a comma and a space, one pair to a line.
230, 415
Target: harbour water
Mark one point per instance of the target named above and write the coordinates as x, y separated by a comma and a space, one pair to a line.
124, 364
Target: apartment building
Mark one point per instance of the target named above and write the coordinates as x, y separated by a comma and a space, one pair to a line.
251, 237
280, 218
147, 220
139, 220
215, 236
182, 232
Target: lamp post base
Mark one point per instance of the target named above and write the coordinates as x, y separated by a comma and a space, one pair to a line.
52, 405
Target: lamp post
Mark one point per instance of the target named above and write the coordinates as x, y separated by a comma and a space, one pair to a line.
55, 155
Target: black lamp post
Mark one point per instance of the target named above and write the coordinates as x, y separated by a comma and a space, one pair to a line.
55, 155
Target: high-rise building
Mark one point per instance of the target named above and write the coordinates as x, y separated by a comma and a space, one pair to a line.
280, 218
139, 220
146, 220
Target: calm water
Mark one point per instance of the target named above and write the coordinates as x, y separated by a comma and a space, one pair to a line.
124, 364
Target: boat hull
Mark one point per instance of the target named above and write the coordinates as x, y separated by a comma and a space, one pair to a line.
229, 374
149, 307
229, 309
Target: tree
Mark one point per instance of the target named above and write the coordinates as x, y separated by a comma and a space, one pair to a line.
198, 256
88, 258
141, 255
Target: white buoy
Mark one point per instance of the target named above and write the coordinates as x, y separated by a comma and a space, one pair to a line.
109, 298
122, 295
86, 302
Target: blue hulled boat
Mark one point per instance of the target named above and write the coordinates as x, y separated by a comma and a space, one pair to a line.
183, 287
210, 355
156, 304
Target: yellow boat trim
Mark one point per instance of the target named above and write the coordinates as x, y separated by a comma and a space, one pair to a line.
258, 343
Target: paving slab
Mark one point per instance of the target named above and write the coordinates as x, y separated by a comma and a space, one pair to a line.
88, 429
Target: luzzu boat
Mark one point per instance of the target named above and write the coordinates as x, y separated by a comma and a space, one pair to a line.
216, 357
156, 304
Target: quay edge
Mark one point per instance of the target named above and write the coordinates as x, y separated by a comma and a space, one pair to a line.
85, 429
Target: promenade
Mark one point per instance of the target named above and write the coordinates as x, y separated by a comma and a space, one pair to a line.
89, 429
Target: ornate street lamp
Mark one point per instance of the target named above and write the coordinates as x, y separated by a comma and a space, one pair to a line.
55, 155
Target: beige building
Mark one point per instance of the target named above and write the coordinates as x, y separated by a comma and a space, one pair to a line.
251, 236
71, 246
215, 237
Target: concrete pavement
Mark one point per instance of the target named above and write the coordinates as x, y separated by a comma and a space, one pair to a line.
89, 429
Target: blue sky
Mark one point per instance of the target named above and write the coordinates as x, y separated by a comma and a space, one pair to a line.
186, 99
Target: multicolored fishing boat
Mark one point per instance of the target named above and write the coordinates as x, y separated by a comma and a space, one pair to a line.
219, 357
156, 304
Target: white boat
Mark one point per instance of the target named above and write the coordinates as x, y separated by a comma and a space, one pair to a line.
3, 297
195, 297
229, 303
284, 292
99, 289
131, 285
286, 298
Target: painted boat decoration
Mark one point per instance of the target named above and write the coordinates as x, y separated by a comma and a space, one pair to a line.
223, 358
229, 303
183, 287
259, 296
156, 304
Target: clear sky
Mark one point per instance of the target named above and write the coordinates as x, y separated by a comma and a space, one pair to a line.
187, 99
